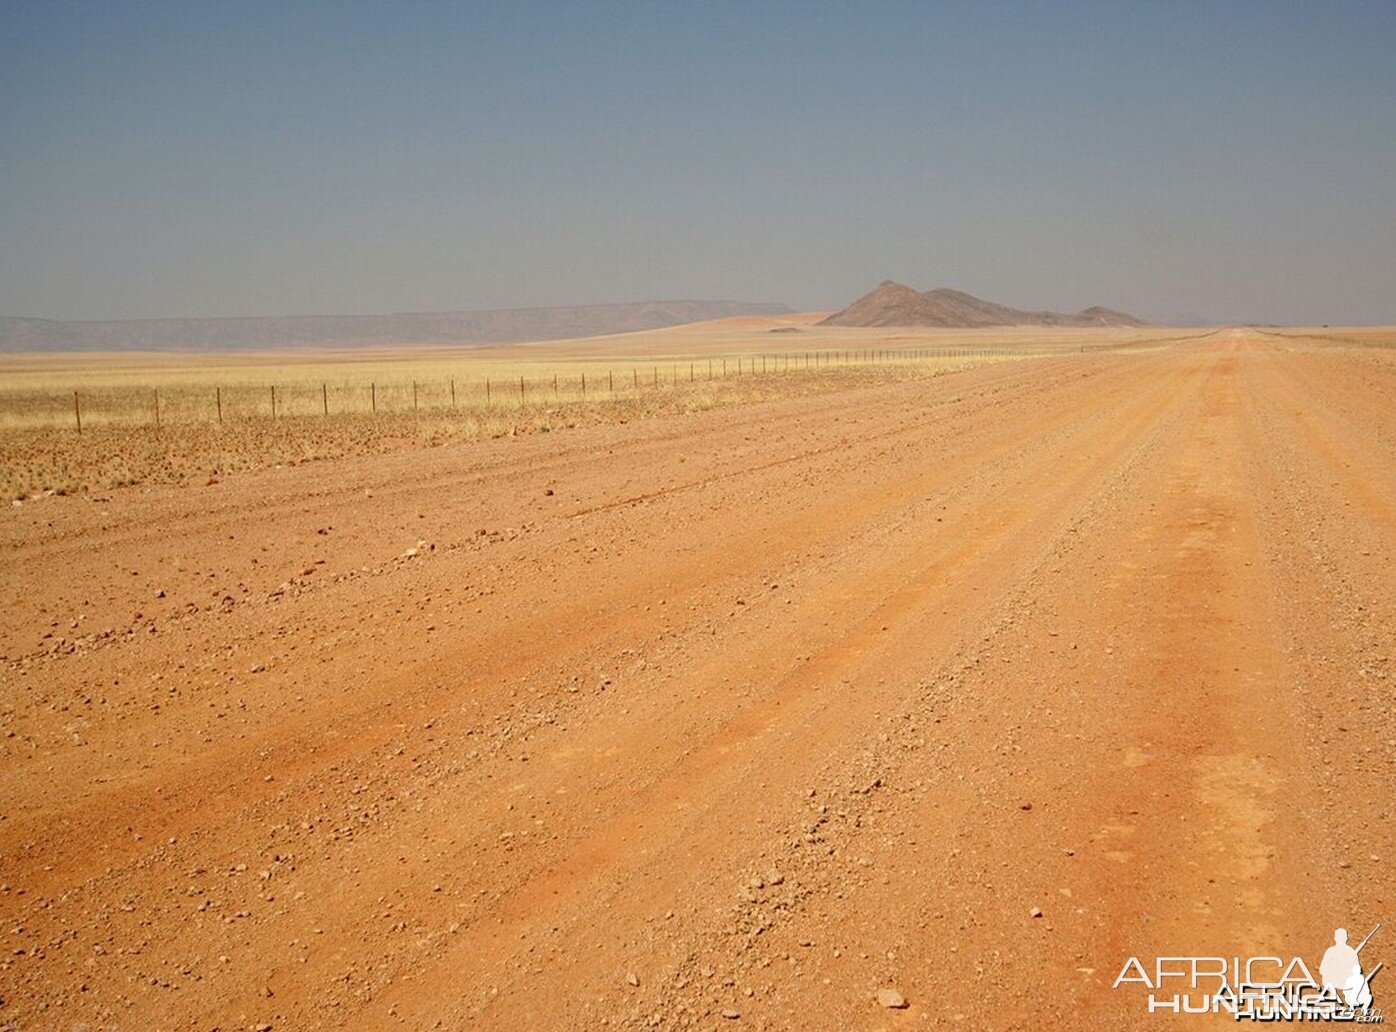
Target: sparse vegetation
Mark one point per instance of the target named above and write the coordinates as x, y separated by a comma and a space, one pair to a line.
160, 418
123, 446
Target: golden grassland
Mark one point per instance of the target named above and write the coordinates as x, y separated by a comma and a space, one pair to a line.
36, 389
175, 418
1336, 336
36, 460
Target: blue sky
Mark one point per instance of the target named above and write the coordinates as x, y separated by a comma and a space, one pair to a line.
1224, 160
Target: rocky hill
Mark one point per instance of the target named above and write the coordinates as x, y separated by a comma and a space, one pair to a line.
895, 304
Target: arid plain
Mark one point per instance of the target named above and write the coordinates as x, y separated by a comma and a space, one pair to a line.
132, 417
964, 682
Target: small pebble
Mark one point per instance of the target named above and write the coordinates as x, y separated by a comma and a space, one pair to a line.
891, 999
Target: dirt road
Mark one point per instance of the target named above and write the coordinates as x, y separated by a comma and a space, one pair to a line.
722, 720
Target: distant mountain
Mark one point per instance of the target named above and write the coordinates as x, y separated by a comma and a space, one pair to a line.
894, 304
495, 326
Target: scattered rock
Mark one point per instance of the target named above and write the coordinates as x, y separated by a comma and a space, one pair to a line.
633, 979
1035, 912
891, 999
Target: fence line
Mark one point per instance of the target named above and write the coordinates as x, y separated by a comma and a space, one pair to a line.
191, 404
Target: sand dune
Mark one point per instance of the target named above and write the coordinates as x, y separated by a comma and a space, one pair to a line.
494, 326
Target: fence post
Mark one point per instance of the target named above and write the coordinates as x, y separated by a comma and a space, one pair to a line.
636, 373
611, 380
77, 411
453, 392
584, 385
414, 397
157, 408
487, 390
554, 386
521, 390
273, 401
325, 398
218, 402
373, 397
690, 372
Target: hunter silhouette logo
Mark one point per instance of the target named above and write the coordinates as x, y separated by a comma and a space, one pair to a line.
1341, 970
1261, 988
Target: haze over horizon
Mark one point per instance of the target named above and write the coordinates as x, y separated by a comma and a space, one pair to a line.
1180, 163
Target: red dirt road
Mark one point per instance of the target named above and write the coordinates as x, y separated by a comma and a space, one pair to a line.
722, 720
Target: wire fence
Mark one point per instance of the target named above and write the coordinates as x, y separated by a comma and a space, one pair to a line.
175, 403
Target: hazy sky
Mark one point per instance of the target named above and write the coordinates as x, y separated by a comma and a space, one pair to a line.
1229, 160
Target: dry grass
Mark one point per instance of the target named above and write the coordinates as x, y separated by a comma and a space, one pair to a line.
149, 418
34, 460
1337, 336
160, 396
